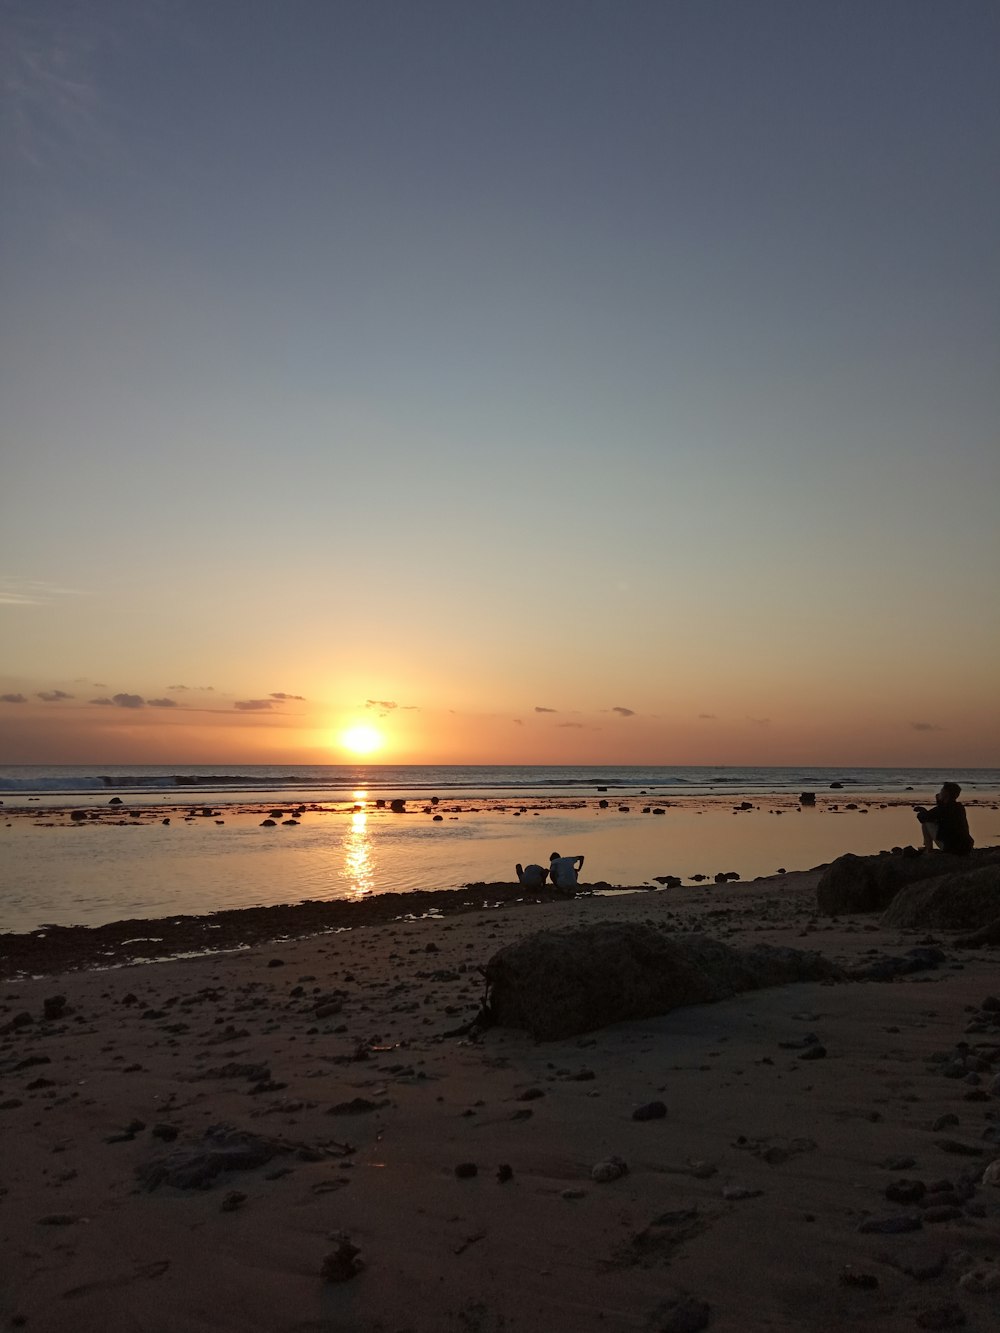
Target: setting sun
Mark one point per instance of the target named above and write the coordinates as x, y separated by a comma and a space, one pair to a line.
361, 739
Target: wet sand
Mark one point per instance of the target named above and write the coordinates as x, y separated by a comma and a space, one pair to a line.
759, 1201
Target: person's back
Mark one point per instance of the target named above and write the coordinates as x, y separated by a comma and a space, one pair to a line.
532, 877
563, 870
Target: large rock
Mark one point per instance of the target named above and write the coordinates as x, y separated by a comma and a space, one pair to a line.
870, 883
558, 983
967, 900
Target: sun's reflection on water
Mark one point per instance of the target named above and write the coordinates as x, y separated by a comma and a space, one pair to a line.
359, 869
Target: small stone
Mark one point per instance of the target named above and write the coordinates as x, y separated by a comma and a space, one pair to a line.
687, 1315
612, 1168
942, 1316
233, 1200
343, 1263
905, 1191
734, 1192
466, 1170
981, 1280
504, 1173
890, 1226
853, 1277
651, 1111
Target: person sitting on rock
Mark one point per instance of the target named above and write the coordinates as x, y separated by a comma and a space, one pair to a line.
563, 870
532, 877
946, 825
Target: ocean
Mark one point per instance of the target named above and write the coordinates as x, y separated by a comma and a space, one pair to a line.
337, 781
150, 841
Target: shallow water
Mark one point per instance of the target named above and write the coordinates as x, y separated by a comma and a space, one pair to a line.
54, 871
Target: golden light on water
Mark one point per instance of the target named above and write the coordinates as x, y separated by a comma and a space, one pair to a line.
361, 739
359, 869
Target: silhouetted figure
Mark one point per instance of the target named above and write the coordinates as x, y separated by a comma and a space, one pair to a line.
945, 825
532, 877
563, 870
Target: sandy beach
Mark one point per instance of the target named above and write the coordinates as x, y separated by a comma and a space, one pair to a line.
391, 1172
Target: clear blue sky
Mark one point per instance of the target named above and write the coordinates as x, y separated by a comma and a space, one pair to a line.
483, 357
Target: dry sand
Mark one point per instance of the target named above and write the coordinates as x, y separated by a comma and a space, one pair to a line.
741, 1209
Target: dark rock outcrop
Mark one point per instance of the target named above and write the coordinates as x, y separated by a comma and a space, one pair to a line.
558, 983
870, 883
967, 900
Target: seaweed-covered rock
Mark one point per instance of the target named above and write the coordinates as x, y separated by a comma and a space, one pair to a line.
870, 883
558, 983
967, 900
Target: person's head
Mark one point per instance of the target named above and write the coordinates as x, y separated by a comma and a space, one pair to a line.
554, 856
950, 791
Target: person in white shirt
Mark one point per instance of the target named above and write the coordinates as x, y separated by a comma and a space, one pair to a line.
563, 870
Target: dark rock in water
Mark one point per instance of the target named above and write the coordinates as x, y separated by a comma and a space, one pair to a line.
77, 815
835, 785
966, 900
870, 883
115, 800
561, 983
268, 823
397, 807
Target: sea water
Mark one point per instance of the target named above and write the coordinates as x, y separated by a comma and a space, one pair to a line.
346, 845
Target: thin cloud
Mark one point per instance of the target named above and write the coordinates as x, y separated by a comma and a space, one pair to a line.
546, 710
253, 705
624, 712
104, 703
577, 726
386, 704
760, 721
53, 696
708, 717
30, 592
162, 703
13, 699
197, 689
128, 700
925, 726
282, 697
517, 722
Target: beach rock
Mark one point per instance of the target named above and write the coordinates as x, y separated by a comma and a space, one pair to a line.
686, 1315
870, 883
890, 1226
466, 1170
612, 1168
223, 1148
54, 1007
342, 1263
562, 983
966, 900
651, 1111
942, 1316
807, 798
981, 1280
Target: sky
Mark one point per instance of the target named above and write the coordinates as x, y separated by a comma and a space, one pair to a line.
536, 381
